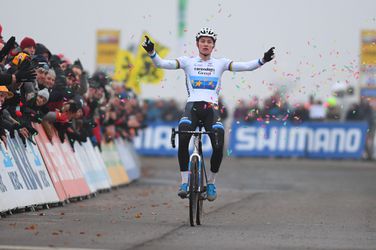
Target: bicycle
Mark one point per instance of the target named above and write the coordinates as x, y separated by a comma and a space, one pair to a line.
196, 169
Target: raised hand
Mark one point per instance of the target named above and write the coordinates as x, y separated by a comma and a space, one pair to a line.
7, 47
269, 55
26, 72
148, 45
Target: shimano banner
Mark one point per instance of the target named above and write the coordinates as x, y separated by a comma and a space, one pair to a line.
310, 139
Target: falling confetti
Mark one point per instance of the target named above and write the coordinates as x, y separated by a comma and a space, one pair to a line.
138, 215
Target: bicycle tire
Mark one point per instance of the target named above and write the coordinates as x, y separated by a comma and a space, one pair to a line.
200, 202
193, 194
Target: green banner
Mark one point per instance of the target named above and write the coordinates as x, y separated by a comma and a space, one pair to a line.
182, 17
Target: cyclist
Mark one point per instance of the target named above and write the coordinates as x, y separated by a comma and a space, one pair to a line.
203, 83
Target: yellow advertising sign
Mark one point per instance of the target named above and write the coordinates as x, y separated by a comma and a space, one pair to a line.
367, 73
115, 169
368, 50
107, 47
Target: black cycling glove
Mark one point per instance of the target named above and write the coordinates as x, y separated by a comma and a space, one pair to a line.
148, 45
269, 55
7, 47
26, 73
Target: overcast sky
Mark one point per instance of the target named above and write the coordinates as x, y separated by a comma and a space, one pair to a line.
317, 42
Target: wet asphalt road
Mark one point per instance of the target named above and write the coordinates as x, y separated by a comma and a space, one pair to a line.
262, 204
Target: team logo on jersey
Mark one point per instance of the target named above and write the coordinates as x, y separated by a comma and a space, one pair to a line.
204, 82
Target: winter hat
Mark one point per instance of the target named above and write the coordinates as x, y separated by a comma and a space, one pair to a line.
40, 49
100, 78
78, 64
27, 42
5, 90
44, 92
40, 61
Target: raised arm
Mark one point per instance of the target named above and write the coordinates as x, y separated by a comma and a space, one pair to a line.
158, 62
254, 64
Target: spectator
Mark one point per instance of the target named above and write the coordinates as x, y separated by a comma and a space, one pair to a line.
300, 114
171, 111
222, 109
241, 111
42, 50
333, 112
50, 79
28, 46
317, 111
366, 112
6, 120
42, 68
1, 35
81, 77
254, 110
155, 111
354, 113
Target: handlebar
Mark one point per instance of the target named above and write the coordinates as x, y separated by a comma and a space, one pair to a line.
195, 133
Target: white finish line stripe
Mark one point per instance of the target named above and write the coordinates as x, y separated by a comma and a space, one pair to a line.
5, 247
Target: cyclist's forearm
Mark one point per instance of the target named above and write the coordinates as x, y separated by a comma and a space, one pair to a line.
163, 63
246, 66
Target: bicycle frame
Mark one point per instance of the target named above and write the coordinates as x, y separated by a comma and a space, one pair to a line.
197, 151
196, 172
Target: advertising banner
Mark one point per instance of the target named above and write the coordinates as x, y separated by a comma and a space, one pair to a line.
127, 159
155, 140
310, 139
96, 176
63, 168
24, 179
114, 165
367, 74
107, 46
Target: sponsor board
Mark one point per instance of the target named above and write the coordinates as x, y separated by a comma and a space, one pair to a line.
311, 139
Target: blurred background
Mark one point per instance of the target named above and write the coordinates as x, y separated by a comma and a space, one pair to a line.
324, 70
318, 43
75, 76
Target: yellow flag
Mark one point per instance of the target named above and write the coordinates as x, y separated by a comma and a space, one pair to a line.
140, 69
124, 66
145, 71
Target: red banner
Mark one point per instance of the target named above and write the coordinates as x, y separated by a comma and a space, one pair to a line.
62, 165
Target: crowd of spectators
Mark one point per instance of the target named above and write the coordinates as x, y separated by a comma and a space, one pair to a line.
38, 86
170, 111
277, 108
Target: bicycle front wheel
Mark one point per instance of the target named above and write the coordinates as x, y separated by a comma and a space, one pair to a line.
200, 203
193, 193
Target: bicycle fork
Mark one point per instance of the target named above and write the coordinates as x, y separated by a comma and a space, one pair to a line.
196, 153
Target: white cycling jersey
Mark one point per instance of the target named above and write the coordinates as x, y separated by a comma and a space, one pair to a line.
203, 78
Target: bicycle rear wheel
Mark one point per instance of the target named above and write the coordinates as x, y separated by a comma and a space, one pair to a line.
193, 194
200, 202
